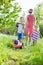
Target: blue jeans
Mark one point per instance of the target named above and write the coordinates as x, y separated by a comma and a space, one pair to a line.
22, 35
19, 36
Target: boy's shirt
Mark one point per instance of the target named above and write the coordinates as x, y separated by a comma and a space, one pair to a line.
20, 28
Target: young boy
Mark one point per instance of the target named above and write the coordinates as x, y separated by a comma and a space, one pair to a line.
35, 35
20, 26
17, 44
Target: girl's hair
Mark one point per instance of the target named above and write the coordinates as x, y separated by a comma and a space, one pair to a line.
30, 10
37, 26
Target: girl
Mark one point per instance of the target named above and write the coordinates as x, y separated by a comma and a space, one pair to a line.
35, 35
29, 26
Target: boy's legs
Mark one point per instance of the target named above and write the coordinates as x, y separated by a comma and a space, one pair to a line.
19, 36
22, 35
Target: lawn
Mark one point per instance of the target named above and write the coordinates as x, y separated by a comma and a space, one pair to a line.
32, 55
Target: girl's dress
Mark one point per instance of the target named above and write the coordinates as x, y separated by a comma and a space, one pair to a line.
30, 24
35, 35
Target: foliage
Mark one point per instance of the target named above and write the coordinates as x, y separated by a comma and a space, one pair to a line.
41, 29
32, 55
9, 13
39, 13
39, 17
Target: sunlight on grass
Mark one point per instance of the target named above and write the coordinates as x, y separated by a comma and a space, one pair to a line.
27, 55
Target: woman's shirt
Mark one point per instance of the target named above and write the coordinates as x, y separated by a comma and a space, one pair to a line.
30, 20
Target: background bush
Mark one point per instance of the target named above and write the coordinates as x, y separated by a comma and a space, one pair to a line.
41, 30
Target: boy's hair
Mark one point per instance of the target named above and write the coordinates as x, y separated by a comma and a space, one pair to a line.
30, 10
21, 17
15, 42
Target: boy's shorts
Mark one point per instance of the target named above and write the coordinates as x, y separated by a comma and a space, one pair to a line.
19, 36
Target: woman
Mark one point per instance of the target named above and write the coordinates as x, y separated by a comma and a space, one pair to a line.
29, 26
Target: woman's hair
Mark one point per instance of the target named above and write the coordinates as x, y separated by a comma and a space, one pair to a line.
30, 10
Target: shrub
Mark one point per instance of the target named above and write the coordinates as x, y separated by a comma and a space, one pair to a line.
41, 29
32, 55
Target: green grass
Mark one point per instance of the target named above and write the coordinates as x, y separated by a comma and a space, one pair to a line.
32, 55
